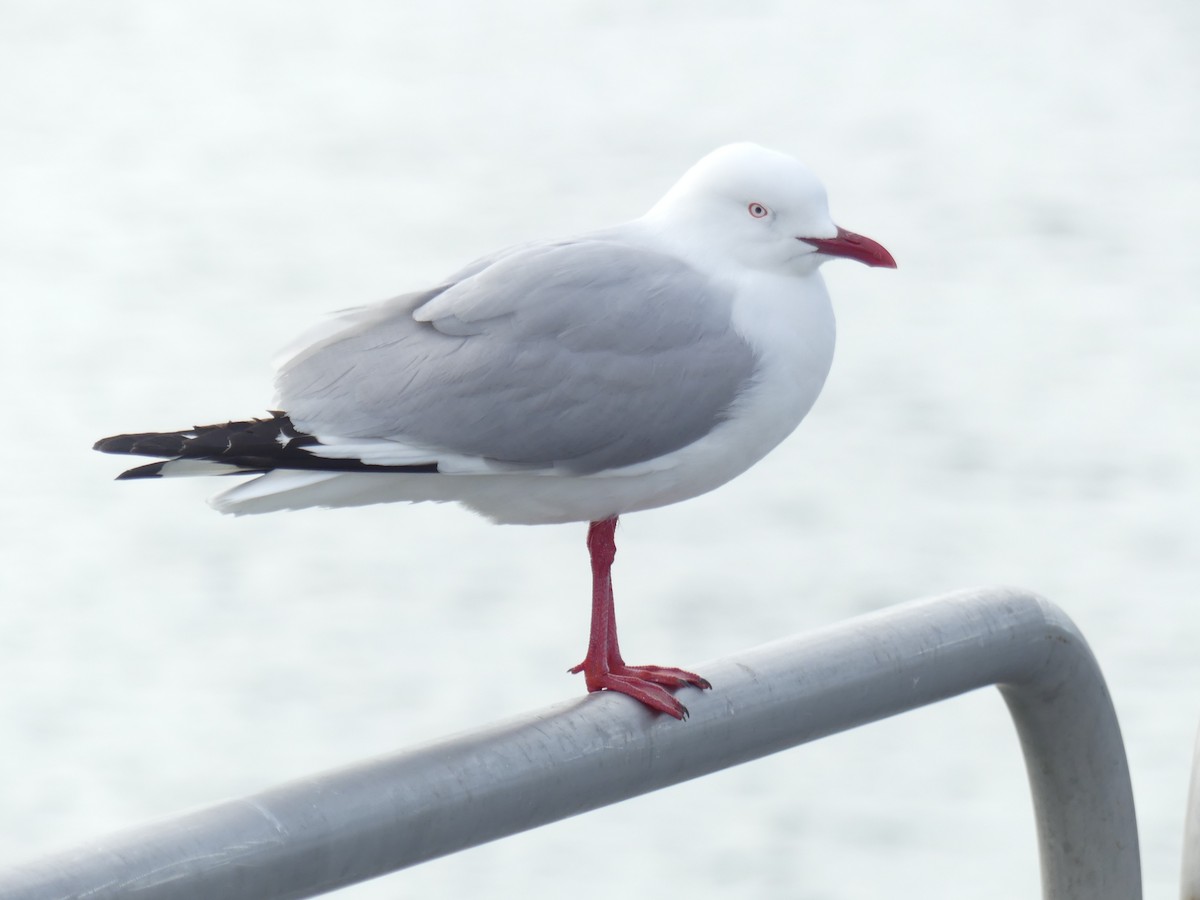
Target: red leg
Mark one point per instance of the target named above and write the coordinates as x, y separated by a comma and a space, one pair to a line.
603, 668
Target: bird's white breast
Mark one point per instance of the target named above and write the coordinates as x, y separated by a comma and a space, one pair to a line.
789, 322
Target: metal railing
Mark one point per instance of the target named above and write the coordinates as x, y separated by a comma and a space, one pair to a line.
1190, 876
334, 829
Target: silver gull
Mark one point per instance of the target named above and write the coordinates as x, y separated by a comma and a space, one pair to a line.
572, 380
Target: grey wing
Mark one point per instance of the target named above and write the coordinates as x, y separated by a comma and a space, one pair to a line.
586, 355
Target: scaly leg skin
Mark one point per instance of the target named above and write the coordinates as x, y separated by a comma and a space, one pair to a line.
603, 668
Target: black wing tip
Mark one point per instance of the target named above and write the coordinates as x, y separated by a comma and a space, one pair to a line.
254, 446
118, 443
150, 444
178, 443
152, 470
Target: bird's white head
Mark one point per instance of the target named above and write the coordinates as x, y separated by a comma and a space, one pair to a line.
763, 208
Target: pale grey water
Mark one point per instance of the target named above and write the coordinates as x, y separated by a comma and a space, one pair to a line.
185, 187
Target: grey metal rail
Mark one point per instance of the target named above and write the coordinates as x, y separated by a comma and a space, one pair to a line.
330, 830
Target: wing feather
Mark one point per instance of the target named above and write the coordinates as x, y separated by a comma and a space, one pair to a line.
584, 356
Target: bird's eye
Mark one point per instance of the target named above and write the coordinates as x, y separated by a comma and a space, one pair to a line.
757, 210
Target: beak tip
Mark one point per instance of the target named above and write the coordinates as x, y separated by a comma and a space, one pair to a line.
849, 245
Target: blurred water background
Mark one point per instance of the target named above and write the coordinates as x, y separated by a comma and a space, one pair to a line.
186, 186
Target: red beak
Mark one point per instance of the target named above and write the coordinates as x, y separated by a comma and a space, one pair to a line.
853, 246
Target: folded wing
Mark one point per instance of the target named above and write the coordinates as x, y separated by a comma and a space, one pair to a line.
580, 356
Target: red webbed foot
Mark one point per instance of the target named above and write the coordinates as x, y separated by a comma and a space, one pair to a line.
664, 675
646, 684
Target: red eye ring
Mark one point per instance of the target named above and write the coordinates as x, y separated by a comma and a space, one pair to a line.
757, 210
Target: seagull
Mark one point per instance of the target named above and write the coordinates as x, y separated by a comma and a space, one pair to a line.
571, 380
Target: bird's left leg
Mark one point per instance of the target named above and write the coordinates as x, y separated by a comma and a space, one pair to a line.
603, 668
